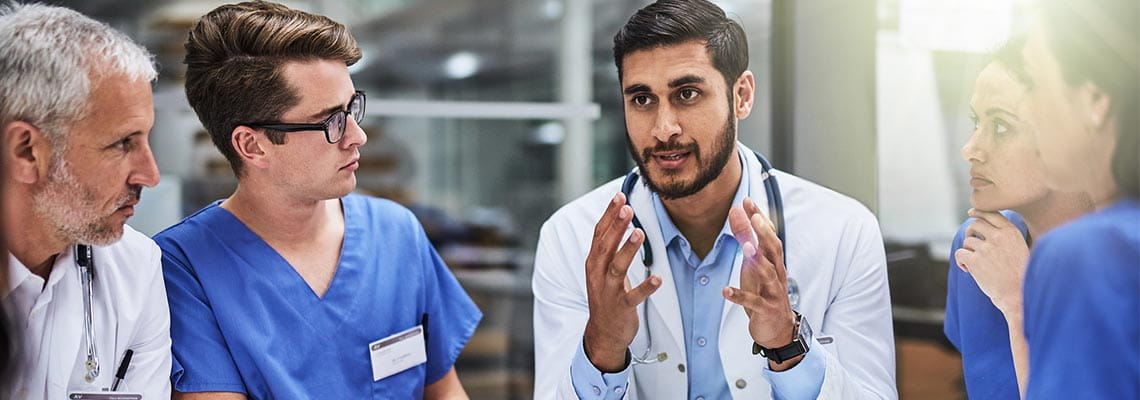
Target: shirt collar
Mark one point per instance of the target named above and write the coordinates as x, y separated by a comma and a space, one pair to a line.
669, 231
18, 273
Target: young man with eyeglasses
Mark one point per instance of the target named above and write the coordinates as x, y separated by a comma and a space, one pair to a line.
292, 287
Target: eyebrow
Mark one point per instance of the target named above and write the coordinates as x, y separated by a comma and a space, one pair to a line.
686, 80
998, 110
635, 88
682, 81
326, 112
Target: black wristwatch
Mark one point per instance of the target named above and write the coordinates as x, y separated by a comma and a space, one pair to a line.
798, 347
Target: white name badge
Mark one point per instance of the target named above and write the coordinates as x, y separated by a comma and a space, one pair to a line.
104, 396
398, 352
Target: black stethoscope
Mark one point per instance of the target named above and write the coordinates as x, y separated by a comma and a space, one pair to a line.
85, 259
775, 212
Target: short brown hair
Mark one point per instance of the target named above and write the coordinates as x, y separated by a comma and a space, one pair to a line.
234, 56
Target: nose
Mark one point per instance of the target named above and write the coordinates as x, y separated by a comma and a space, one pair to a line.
665, 124
354, 135
145, 171
972, 151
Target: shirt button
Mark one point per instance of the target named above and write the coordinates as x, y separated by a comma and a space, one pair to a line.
597, 391
704, 280
740, 383
701, 341
619, 390
700, 397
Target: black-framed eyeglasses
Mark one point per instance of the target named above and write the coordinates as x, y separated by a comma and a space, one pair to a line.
334, 126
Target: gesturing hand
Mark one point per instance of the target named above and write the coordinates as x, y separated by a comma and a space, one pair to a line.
995, 254
763, 288
613, 305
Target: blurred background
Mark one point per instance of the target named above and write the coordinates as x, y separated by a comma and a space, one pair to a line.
485, 116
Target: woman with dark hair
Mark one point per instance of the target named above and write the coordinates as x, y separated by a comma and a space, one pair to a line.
1012, 204
1082, 285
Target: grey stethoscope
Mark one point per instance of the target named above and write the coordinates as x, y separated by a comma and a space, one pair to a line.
775, 211
85, 259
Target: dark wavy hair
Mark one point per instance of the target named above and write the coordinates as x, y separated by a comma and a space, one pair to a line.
670, 22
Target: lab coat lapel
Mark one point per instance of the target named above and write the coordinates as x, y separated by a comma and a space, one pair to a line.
664, 300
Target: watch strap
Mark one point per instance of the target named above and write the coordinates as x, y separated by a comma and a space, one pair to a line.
796, 348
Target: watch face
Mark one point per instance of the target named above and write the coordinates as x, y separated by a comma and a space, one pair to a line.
805, 329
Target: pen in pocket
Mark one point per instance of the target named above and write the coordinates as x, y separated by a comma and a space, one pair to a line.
122, 372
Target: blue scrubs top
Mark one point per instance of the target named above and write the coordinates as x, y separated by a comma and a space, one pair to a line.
978, 329
243, 320
1082, 308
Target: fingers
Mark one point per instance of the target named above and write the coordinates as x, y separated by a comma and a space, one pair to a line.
612, 237
757, 274
749, 300
981, 229
771, 247
613, 209
972, 243
624, 257
608, 232
964, 258
993, 218
641, 292
741, 229
751, 274
750, 207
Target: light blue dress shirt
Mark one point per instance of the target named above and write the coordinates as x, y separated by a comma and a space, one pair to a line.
699, 283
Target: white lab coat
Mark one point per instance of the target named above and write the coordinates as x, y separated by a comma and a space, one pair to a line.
835, 253
129, 312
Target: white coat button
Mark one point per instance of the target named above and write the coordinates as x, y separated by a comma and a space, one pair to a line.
681, 367
740, 384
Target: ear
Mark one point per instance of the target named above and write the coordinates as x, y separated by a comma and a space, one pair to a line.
1098, 104
26, 152
250, 146
744, 90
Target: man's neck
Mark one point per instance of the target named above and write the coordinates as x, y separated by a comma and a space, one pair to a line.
30, 239
701, 216
1052, 211
280, 219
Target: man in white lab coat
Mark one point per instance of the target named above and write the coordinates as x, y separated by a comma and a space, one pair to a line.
75, 114
706, 309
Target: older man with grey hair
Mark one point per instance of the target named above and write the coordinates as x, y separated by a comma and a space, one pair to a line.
85, 295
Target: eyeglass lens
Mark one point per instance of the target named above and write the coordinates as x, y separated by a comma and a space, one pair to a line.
339, 124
